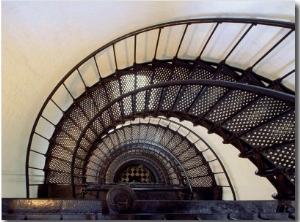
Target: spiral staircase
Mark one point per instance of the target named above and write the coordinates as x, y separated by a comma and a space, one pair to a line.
113, 131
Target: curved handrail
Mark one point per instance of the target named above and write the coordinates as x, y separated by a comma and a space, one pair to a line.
282, 24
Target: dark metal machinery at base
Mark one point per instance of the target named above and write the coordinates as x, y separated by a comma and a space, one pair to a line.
66, 209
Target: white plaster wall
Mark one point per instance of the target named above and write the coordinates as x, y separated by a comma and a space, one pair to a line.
41, 41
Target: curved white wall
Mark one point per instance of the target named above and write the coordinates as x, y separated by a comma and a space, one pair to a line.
41, 41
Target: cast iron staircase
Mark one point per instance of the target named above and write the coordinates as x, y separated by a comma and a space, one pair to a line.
82, 125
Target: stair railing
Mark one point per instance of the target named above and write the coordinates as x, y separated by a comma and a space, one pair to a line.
57, 102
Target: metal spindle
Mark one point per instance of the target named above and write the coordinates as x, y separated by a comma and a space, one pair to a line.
57, 106
271, 49
97, 67
157, 42
35, 168
81, 78
135, 49
68, 91
41, 136
243, 36
211, 34
43, 154
115, 56
48, 120
217, 173
285, 76
181, 40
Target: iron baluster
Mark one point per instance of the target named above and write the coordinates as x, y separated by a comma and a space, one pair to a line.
57, 106
135, 49
271, 49
211, 34
43, 154
69, 92
85, 86
239, 41
181, 40
42, 136
35, 168
157, 42
98, 71
285, 76
115, 57
48, 121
